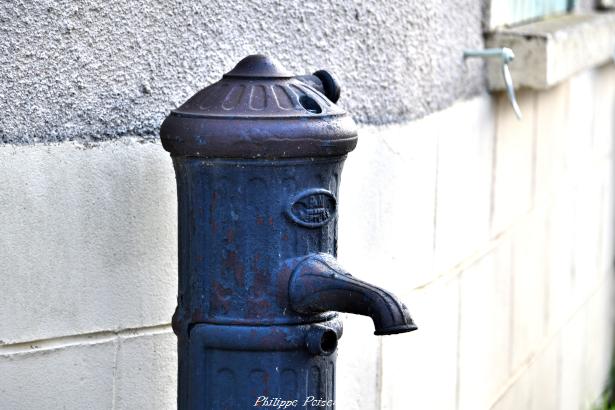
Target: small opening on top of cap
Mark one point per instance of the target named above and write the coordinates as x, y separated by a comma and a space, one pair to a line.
310, 104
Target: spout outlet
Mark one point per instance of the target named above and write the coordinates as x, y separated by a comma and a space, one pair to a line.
318, 284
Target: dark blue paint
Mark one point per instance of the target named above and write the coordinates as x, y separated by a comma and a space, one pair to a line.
258, 281
234, 236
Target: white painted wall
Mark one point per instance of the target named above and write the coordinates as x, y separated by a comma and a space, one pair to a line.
497, 234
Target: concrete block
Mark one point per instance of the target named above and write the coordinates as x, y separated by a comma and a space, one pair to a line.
607, 224
588, 225
419, 369
600, 332
87, 238
560, 259
536, 388
551, 141
387, 205
544, 376
572, 358
529, 288
72, 377
146, 372
581, 105
484, 342
551, 50
465, 155
514, 162
358, 366
518, 396
604, 110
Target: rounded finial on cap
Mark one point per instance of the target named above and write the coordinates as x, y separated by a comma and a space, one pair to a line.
258, 65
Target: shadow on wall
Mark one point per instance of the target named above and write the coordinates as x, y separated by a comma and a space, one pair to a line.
607, 400
610, 389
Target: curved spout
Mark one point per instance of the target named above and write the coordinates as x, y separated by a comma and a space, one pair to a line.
318, 284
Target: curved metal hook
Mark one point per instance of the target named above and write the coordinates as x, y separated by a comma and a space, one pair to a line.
505, 55
510, 90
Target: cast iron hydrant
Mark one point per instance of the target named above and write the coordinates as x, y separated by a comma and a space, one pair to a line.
258, 158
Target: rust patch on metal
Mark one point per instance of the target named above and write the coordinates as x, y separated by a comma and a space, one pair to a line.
258, 308
233, 263
230, 235
212, 212
282, 279
221, 298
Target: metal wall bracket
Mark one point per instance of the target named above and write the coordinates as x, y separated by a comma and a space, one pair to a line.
505, 55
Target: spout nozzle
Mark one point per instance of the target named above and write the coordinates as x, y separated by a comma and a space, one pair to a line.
408, 324
397, 327
319, 285
409, 327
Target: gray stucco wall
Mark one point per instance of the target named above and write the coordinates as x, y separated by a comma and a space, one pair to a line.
95, 70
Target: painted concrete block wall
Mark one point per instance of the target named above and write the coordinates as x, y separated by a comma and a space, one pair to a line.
497, 234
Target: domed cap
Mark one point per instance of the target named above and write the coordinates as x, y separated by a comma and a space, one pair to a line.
259, 110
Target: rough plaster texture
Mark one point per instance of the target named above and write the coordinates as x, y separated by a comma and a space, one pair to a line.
90, 71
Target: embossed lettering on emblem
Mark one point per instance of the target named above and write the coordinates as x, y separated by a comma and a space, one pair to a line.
313, 208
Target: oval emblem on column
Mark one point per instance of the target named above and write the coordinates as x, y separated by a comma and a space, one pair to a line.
313, 208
